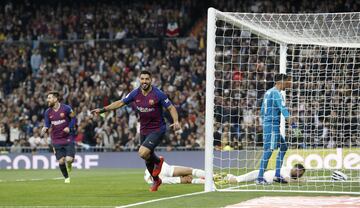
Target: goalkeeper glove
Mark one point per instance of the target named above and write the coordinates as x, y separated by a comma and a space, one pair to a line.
339, 176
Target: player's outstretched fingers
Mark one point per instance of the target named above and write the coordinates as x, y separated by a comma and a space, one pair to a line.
176, 126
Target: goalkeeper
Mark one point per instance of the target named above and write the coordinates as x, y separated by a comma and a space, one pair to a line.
272, 107
288, 174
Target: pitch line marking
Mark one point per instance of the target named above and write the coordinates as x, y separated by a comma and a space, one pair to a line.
161, 199
31, 179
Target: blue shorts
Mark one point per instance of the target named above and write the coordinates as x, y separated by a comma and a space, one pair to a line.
152, 140
272, 137
63, 150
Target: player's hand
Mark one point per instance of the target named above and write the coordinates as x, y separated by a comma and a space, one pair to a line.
66, 129
44, 130
176, 126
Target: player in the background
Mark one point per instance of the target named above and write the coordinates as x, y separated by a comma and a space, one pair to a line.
290, 175
272, 107
171, 174
148, 101
60, 118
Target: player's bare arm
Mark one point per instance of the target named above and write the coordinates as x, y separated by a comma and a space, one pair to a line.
175, 117
72, 114
112, 106
44, 130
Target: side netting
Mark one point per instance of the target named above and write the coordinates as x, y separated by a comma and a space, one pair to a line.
321, 53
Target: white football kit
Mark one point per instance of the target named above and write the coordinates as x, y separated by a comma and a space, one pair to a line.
268, 175
166, 175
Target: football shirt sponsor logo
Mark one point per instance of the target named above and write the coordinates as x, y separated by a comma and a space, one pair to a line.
58, 122
145, 110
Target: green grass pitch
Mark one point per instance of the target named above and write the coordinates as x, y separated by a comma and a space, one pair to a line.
107, 188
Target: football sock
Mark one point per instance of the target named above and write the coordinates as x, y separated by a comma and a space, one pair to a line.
198, 173
264, 162
63, 170
198, 181
280, 159
154, 158
149, 166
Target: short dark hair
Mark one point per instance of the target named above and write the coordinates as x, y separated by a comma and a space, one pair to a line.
54, 93
145, 72
281, 77
300, 166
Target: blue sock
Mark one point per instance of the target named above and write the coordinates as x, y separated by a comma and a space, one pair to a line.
280, 159
264, 162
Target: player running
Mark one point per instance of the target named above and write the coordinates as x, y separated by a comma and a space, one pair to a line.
148, 101
60, 118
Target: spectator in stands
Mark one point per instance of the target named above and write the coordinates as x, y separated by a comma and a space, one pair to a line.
35, 62
79, 66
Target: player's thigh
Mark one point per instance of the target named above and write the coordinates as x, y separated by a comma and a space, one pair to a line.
167, 170
271, 139
70, 150
59, 151
152, 140
269, 176
283, 144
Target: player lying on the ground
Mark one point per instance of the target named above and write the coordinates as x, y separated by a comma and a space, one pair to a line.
289, 175
171, 174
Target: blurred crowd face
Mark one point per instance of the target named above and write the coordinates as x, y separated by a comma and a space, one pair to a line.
145, 81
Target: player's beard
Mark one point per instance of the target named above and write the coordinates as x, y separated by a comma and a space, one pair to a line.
145, 87
51, 104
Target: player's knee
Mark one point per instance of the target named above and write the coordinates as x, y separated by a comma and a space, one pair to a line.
62, 161
69, 159
144, 154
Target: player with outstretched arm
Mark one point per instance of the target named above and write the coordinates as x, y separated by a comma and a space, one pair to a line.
290, 175
148, 101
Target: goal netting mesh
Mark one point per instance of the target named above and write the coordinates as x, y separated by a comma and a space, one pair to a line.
322, 54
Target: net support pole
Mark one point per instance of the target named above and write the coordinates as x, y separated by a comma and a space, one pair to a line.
283, 54
210, 90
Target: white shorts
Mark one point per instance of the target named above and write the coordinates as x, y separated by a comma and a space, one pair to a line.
166, 175
269, 176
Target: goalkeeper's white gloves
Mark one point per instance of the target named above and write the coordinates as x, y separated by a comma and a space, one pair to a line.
339, 176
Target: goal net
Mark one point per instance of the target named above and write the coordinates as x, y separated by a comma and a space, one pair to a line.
321, 52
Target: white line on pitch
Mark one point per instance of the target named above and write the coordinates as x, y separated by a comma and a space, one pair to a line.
33, 179
59, 206
161, 199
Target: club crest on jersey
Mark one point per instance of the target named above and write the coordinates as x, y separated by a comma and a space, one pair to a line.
151, 102
138, 101
62, 115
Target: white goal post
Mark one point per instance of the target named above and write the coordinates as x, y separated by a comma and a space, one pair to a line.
321, 52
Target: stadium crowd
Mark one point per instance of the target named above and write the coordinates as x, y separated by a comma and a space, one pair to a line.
88, 56
95, 73
29, 20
